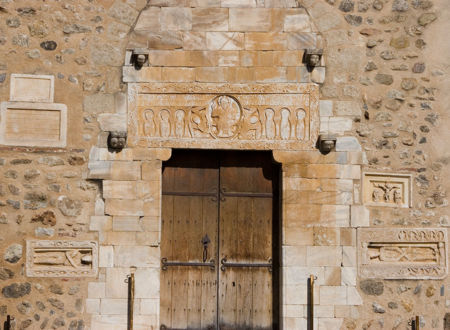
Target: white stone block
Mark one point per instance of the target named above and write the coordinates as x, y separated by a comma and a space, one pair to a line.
93, 306
339, 125
349, 256
295, 323
96, 289
360, 216
116, 287
347, 108
325, 108
112, 122
353, 296
318, 75
100, 223
147, 280
300, 275
294, 255
32, 88
324, 311
347, 143
106, 256
296, 294
149, 307
330, 323
297, 22
294, 311
137, 256
333, 295
348, 276
113, 306
126, 223
323, 255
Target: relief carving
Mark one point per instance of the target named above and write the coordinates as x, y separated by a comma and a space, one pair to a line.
397, 253
239, 120
387, 189
61, 258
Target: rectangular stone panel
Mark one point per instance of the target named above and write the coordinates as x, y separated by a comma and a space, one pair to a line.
46, 258
387, 189
233, 116
402, 253
33, 124
32, 88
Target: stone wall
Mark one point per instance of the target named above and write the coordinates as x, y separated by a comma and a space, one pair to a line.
383, 81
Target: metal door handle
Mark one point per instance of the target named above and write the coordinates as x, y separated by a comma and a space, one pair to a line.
225, 264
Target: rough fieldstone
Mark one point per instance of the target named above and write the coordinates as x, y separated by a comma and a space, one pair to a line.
11, 174
24, 307
56, 289
51, 161
76, 28
2, 77
16, 290
74, 290
384, 79
123, 13
408, 83
25, 324
34, 53
46, 218
56, 303
13, 253
354, 20
6, 274
377, 5
40, 305
58, 323
426, 19
387, 55
38, 29
400, 42
14, 204
347, 6
106, 54
13, 22
377, 308
35, 200
99, 103
372, 287
422, 4
31, 174
400, 5
49, 45
418, 67
69, 207
44, 232
370, 66
26, 11
76, 325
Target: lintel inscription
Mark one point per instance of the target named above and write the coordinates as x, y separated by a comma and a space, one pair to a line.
402, 253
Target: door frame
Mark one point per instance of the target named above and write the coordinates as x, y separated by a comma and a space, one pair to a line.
277, 302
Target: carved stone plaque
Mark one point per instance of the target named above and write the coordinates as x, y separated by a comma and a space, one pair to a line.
47, 258
234, 116
33, 124
402, 253
385, 189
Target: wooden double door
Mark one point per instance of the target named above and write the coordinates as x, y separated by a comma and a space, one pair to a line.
219, 241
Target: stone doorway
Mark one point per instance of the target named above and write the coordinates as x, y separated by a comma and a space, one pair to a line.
219, 241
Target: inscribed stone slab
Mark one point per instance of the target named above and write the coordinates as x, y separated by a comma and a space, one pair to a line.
32, 88
387, 189
402, 253
33, 124
46, 258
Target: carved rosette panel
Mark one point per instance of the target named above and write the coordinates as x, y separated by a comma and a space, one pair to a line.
386, 189
402, 253
263, 116
46, 258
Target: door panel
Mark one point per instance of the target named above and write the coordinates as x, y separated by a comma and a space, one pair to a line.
229, 199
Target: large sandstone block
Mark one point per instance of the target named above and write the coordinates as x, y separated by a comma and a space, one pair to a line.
257, 19
224, 40
32, 88
209, 19
126, 207
265, 41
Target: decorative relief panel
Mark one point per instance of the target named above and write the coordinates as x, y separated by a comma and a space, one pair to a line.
384, 189
223, 116
47, 258
402, 253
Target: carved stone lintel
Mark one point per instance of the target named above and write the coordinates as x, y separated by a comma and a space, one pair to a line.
402, 253
254, 117
46, 258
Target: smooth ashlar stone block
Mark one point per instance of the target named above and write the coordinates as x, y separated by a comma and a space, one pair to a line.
225, 40
258, 19
209, 19
32, 88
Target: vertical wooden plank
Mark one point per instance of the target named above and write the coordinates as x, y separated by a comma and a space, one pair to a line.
166, 251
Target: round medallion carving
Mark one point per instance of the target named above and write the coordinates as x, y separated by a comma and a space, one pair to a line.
224, 116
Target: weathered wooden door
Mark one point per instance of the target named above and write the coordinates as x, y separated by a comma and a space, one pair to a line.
219, 212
